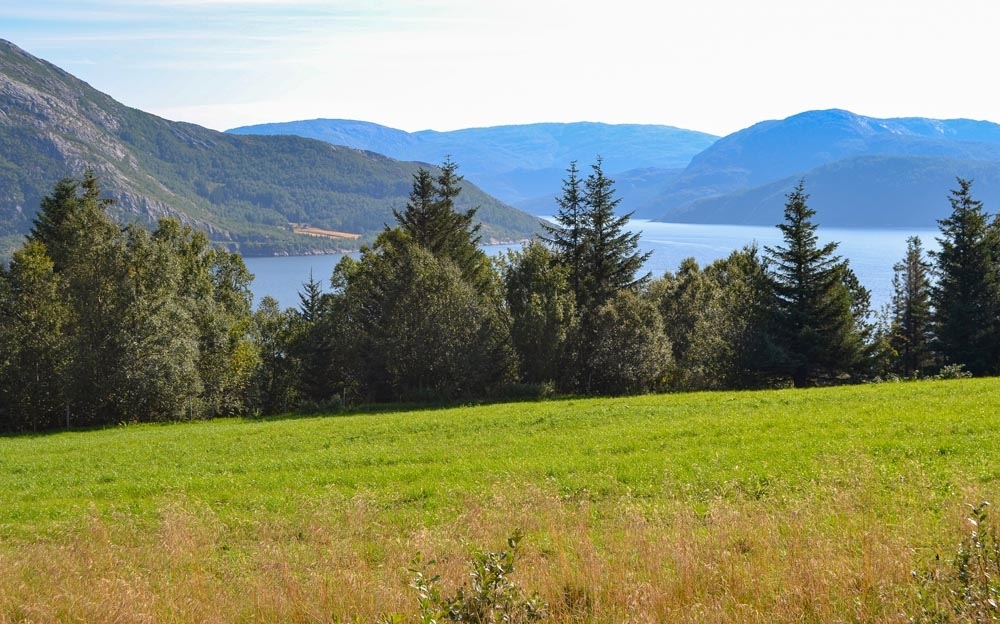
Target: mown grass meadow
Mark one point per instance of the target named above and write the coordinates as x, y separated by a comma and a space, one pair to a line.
777, 506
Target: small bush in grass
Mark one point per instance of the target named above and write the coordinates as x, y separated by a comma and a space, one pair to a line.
490, 598
970, 590
953, 371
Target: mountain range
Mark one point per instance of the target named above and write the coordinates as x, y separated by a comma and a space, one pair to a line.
859, 171
521, 164
258, 194
257, 188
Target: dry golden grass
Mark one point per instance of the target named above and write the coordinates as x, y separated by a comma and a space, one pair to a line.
741, 560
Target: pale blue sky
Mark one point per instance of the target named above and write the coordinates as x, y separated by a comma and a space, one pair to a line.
711, 65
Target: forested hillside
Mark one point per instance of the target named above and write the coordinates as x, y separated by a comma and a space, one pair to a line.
244, 192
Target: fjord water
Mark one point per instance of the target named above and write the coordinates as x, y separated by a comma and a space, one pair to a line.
871, 253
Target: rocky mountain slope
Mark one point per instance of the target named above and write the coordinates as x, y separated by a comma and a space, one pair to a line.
247, 192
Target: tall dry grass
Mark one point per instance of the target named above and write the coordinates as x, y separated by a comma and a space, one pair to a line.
826, 555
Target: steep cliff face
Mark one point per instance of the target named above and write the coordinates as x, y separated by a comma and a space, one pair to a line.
54, 125
245, 191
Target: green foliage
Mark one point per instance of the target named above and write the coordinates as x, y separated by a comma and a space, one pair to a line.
542, 314
601, 259
419, 315
966, 296
137, 325
911, 332
628, 350
311, 300
602, 255
491, 597
819, 314
413, 328
717, 321
33, 354
431, 220
276, 380
969, 589
567, 236
953, 371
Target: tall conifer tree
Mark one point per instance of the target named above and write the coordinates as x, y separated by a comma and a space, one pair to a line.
565, 237
602, 259
816, 328
910, 333
611, 257
593, 242
432, 220
965, 295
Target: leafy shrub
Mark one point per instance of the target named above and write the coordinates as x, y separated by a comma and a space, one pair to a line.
953, 371
970, 590
491, 598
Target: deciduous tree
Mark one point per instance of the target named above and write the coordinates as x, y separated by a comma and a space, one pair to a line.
33, 354
543, 314
717, 321
630, 352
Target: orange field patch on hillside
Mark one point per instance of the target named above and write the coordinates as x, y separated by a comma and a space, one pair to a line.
308, 230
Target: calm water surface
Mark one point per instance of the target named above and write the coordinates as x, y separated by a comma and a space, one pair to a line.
870, 252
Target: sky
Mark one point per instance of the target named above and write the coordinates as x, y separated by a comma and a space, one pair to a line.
716, 66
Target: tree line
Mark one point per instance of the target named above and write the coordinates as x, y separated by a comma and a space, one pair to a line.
103, 324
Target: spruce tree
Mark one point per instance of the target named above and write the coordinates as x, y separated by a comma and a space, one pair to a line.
565, 237
965, 295
73, 211
419, 218
815, 325
910, 333
601, 256
309, 345
592, 241
310, 299
432, 220
611, 259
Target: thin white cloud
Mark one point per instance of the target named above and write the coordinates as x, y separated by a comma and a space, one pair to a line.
714, 65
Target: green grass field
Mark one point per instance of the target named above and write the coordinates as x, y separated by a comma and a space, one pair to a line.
794, 505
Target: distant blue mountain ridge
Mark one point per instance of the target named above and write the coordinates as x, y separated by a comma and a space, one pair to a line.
515, 163
859, 171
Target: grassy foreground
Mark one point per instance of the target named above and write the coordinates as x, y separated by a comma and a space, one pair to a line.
776, 506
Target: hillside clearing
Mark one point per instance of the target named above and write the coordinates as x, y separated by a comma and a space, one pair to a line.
308, 230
